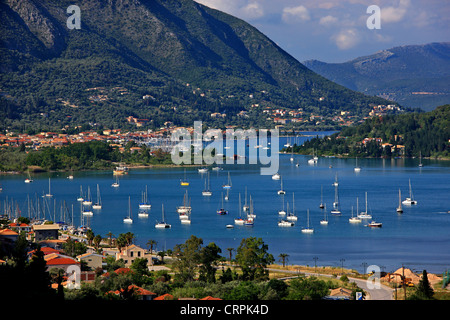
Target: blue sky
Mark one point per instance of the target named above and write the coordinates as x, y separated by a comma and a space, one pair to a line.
336, 30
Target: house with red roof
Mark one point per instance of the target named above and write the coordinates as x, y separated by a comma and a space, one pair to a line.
60, 261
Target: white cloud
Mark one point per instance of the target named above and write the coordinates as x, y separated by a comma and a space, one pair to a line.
328, 20
394, 14
346, 39
294, 14
253, 10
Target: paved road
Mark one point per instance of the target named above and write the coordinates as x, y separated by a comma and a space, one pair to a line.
380, 292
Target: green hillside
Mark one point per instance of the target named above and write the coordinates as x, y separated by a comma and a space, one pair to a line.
186, 59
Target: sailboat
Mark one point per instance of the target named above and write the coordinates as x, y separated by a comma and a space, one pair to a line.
222, 211
145, 204
228, 184
162, 224
239, 220
184, 182
250, 215
98, 204
185, 209
399, 208
80, 198
314, 159
365, 215
128, 218
227, 196
49, 194
336, 183
203, 170
88, 201
282, 212
357, 169
336, 210
116, 184
307, 229
410, 201
292, 154
281, 191
291, 215
355, 219
276, 176
28, 180
324, 221
321, 206
207, 192
420, 159
284, 222
245, 207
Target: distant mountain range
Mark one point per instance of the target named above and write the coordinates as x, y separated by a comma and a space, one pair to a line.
415, 76
171, 60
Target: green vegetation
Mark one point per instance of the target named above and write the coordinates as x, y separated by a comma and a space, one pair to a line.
407, 135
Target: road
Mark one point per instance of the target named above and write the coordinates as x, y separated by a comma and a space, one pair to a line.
379, 292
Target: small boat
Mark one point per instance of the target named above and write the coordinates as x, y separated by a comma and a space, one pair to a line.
399, 208
357, 169
228, 184
222, 211
229, 226
216, 168
420, 159
128, 218
98, 204
307, 229
281, 191
142, 214
162, 224
276, 176
80, 198
239, 220
245, 207
28, 180
321, 205
120, 170
285, 223
70, 177
203, 170
88, 201
324, 221
375, 224
207, 192
49, 194
410, 201
336, 211
184, 182
282, 212
251, 214
88, 213
365, 215
291, 216
145, 204
185, 208
355, 219
116, 184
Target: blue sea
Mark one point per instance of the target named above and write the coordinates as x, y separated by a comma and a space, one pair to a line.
418, 239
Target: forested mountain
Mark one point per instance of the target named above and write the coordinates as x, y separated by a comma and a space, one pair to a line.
171, 60
407, 135
415, 76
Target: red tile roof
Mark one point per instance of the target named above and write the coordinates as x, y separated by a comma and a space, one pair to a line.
166, 296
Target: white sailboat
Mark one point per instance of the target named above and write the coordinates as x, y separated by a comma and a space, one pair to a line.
80, 198
324, 221
276, 176
28, 180
355, 219
245, 207
185, 209
281, 191
291, 215
336, 205
365, 215
357, 169
49, 194
228, 184
282, 212
98, 204
285, 222
420, 159
116, 184
203, 170
128, 219
162, 224
250, 215
207, 192
410, 201
88, 201
239, 220
399, 208
307, 229
314, 159
145, 204
222, 211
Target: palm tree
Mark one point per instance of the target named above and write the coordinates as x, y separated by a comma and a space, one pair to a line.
110, 235
162, 254
90, 236
151, 243
283, 258
130, 237
230, 251
97, 241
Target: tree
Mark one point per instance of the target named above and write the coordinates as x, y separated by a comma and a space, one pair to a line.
110, 235
209, 256
90, 236
150, 244
283, 258
188, 258
424, 291
253, 258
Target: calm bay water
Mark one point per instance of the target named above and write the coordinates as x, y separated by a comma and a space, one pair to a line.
419, 238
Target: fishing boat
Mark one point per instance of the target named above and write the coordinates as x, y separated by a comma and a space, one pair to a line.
162, 224
145, 204
222, 211
375, 224
357, 169
324, 221
185, 209
184, 182
291, 215
116, 184
307, 229
207, 191
410, 201
365, 215
355, 219
228, 184
399, 208
336, 205
128, 219
276, 176
281, 191
88, 201
97, 205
